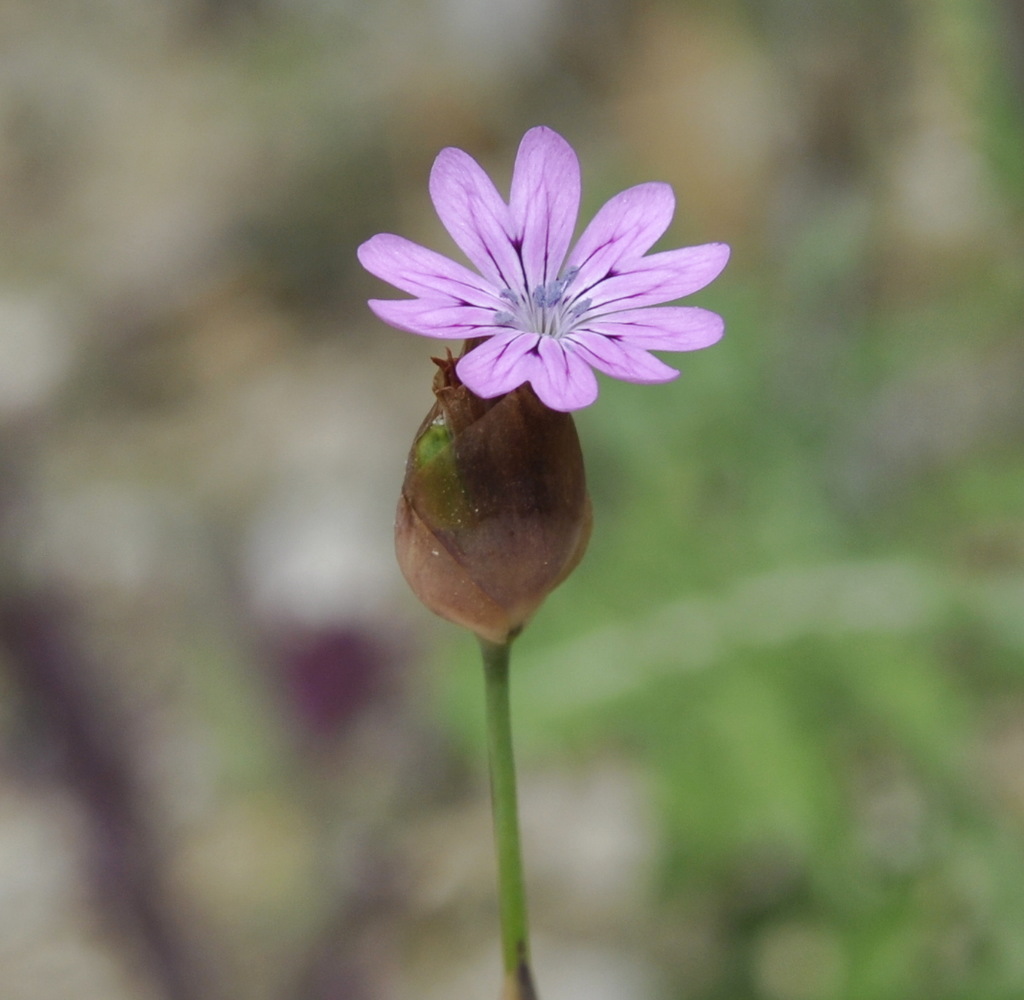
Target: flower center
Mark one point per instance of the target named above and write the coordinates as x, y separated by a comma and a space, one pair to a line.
547, 310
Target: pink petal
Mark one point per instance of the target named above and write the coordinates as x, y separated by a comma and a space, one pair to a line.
625, 227
659, 277
476, 217
544, 202
621, 360
662, 328
500, 364
419, 271
562, 380
435, 318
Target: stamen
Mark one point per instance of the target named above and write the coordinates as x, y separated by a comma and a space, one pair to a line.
545, 310
548, 295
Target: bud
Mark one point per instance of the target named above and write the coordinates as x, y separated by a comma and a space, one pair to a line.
494, 512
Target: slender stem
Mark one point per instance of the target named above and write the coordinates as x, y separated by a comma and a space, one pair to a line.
511, 890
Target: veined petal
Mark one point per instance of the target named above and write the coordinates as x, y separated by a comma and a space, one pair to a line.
562, 380
658, 278
621, 359
476, 217
500, 364
662, 328
625, 227
533, 321
435, 318
544, 203
419, 271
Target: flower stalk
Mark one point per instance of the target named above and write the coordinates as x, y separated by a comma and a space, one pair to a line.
504, 805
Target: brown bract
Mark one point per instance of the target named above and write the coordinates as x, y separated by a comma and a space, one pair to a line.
494, 511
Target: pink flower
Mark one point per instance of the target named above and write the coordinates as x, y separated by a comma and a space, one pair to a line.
549, 319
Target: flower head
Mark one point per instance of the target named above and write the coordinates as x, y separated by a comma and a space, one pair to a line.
548, 315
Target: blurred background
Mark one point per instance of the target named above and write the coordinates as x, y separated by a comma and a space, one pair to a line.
771, 733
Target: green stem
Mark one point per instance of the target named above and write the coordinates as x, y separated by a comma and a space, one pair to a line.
511, 890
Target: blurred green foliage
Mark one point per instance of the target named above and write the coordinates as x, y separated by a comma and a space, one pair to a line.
802, 608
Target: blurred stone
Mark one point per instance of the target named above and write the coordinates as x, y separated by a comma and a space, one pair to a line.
52, 944
36, 350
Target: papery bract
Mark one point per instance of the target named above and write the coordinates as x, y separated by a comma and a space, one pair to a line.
494, 512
